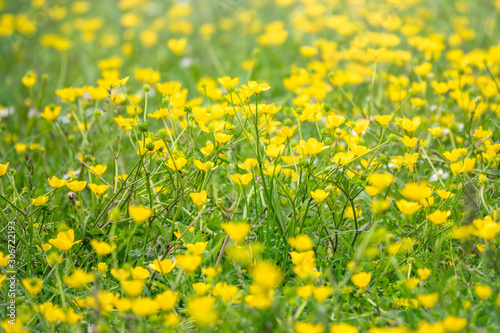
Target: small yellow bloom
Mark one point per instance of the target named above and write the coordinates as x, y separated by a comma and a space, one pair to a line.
384, 120
145, 306
132, 288
98, 190
424, 273
361, 280
33, 286
102, 248
197, 248
188, 262
321, 293
408, 207
429, 300
167, 300
76, 186
29, 79
454, 324
237, 231
40, 200
439, 217
222, 137
51, 112
177, 45
319, 195
98, 169
140, 214
56, 182
301, 242
79, 279
272, 170
164, 266
242, 180
483, 292
381, 180
343, 328
3, 169
200, 198
64, 240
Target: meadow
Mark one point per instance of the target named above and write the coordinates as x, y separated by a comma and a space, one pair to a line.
249, 166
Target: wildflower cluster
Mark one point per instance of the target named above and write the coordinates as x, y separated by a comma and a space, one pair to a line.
286, 165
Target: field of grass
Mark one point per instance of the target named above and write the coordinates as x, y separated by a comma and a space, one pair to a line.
249, 166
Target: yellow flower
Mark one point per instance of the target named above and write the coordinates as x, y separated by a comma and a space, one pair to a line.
242, 180
168, 88
64, 240
319, 195
132, 288
3, 169
177, 45
40, 200
381, 180
424, 273
188, 262
301, 242
429, 300
201, 310
436, 131
343, 328
29, 79
227, 81
454, 324
361, 280
102, 248
140, 214
79, 279
407, 207
166, 300
226, 292
76, 186
164, 266
207, 150
416, 191
483, 292
343, 158
335, 120
199, 198
439, 217
33, 286
409, 142
272, 170
384, 120
207, 166
423, 69
222, 137
56, 182
98, 189
380, 206
443, 194
51, 112
410, 160
197, 248
455, 154
321, 293
139, 273
306, 327
143, 307
274, 150
237, 231
98, 169
102, 267
211, 272
4, 260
